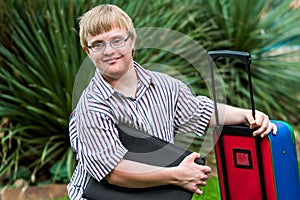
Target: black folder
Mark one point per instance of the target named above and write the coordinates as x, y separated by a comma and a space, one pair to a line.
147, 149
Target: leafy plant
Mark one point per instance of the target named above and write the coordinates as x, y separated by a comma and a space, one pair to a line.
38, 72
40, 55
269, 30
39, 61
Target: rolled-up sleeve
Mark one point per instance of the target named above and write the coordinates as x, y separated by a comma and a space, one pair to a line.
100, 149
193, 113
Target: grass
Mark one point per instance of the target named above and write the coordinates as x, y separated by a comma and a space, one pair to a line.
211, 191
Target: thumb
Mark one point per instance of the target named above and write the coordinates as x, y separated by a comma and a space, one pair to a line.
193, 156
251, 121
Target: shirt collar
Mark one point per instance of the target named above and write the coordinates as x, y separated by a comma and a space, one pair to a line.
102, 85
144, 75
107, 90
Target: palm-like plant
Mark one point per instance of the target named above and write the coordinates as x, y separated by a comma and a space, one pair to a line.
38, 74
261, 28
39, 62
40, 55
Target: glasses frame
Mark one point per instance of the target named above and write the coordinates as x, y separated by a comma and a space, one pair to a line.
110, 43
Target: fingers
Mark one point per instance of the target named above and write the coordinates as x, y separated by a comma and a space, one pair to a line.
265, 126
260, 119
274, 129
203, 175
206, 169
193, 175
198, 191
200, 183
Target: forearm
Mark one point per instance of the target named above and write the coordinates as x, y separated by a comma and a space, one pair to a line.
187, 174
229, 115
138, 175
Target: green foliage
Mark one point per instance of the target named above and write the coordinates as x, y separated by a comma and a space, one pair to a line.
40, 55
38, 74
40, 58
59, 172
261, 28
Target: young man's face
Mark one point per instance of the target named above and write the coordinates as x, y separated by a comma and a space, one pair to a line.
111, 53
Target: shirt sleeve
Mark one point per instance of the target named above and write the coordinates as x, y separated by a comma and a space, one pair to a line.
193, 113
99, 147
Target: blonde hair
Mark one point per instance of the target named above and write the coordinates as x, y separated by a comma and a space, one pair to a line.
103, 18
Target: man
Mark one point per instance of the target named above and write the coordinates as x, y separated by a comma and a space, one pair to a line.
122, 91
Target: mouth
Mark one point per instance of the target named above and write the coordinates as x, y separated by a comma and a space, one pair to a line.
111, 60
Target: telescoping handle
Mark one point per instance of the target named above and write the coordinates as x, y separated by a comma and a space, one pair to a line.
245, 57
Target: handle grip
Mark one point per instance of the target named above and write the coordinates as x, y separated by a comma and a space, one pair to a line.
200, 161
243, 56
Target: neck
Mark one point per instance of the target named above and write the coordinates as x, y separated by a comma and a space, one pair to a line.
127, 84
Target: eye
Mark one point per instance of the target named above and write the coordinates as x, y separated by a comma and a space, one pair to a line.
98, 45
117, 41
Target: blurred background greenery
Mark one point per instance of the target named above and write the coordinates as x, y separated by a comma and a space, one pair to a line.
40, 55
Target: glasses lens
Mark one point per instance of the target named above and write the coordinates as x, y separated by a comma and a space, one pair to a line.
98, 47
118, 42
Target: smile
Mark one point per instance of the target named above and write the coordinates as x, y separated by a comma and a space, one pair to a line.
111, 60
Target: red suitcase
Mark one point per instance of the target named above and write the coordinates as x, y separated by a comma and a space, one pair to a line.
250, 167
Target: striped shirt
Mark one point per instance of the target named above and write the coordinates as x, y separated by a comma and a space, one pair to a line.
162, 106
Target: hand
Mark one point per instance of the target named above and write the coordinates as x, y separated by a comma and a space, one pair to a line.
191, 175
263, 122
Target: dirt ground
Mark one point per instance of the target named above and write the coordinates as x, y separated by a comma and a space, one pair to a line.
48, 192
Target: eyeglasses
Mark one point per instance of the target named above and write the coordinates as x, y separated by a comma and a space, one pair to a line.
115, 42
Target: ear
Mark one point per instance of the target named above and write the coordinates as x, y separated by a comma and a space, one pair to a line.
86, 50
133, 39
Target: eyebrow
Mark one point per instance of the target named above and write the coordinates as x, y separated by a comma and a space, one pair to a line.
111, 38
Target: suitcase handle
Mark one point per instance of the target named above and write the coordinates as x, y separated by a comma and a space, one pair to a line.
245, 57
